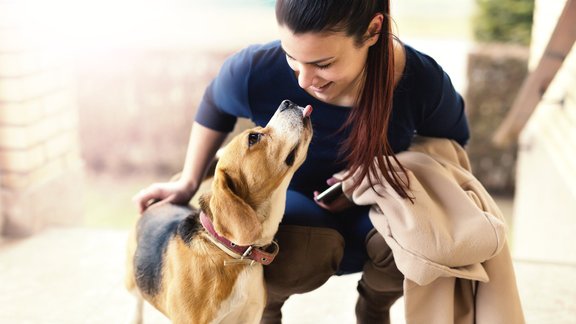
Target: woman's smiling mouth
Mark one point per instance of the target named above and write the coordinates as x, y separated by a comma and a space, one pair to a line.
322, 88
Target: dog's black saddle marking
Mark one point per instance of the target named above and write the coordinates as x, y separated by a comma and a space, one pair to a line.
155, 229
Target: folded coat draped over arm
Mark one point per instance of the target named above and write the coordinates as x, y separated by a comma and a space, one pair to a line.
450, 244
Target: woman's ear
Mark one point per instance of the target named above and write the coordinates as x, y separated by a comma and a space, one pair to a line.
374, 29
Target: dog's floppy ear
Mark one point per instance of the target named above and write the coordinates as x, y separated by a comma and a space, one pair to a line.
233, 218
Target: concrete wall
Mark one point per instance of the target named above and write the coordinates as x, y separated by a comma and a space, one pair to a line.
545, 202
40, 168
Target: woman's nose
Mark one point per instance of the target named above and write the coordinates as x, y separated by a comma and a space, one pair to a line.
305, 76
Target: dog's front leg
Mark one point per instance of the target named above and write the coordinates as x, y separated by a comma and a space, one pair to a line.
136, 316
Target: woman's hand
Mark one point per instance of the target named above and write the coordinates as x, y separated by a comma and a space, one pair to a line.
178, 192
339, 204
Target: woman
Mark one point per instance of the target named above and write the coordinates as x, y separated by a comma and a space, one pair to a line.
371, 94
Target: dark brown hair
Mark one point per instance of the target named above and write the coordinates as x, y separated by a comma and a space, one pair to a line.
368, 121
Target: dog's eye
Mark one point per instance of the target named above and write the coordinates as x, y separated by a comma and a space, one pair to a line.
291, 157
253, 138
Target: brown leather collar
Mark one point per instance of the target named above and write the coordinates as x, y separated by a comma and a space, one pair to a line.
243, 254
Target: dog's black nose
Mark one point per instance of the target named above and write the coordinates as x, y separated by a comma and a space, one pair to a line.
285, 105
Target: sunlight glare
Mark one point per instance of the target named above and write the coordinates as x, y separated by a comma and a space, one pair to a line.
81, 26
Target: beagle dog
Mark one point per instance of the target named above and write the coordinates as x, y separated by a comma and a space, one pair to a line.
205, 266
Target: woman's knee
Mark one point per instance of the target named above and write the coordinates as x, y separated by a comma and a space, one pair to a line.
308, 257
381, 272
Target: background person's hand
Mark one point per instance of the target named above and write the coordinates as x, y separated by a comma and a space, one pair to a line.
177, 192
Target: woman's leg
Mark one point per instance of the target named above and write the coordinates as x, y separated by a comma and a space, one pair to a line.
311, 249
316, 244
381, 283
354, 227
366, 251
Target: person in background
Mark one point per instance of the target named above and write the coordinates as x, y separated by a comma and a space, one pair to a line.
371, 95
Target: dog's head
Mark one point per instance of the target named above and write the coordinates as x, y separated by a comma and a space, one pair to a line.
249, 187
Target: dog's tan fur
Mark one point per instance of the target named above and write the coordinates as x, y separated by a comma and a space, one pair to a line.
246, 205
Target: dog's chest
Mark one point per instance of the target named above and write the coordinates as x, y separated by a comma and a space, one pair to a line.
247, 299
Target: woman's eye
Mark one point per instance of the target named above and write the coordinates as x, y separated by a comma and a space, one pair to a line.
324, 66
253, 138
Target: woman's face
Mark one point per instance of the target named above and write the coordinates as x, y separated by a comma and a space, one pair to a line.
328, 66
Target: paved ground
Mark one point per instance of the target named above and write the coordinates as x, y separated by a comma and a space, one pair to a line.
75, 275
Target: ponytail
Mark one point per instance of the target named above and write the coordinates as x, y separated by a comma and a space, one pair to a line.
369, 120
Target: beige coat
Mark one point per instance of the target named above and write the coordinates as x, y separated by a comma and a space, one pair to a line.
450, 244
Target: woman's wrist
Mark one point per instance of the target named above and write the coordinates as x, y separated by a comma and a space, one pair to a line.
187, 186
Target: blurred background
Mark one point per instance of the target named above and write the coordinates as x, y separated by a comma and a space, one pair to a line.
97, 99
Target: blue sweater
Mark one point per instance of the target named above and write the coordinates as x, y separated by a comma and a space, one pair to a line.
253, 82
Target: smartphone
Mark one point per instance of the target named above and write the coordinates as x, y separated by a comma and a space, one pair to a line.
330, 194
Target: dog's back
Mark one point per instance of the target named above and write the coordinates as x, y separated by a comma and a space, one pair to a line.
154, 231
168, 257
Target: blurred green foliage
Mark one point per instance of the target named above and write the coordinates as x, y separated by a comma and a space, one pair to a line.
505, 21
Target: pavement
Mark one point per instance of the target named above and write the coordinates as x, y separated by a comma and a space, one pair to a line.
70, 275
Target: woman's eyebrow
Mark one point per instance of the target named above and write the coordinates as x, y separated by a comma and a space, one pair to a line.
313, 62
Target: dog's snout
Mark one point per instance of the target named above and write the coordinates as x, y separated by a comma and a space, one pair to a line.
286, 104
